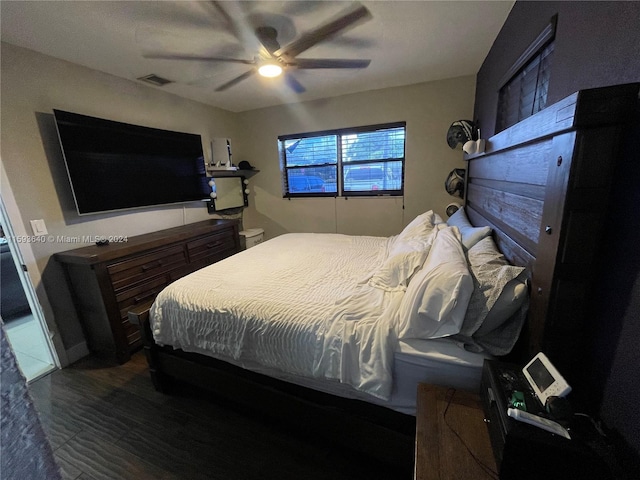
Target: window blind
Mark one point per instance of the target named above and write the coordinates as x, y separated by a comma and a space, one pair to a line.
353, 161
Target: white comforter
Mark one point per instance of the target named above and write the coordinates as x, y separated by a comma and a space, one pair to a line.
297, 303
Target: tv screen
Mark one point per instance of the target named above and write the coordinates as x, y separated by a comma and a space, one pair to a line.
229, 193
115, 166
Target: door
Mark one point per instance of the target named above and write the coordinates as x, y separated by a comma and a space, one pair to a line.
21, 313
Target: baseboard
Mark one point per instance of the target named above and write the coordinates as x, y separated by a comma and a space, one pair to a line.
77, 352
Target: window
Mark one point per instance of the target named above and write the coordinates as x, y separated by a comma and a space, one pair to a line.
524, 87
346, 162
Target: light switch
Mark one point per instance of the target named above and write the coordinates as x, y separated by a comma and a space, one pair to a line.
38, 227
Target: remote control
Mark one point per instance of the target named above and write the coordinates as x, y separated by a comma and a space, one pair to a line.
543, 423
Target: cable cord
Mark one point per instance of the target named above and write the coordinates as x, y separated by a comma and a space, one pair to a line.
595, 424
486, 468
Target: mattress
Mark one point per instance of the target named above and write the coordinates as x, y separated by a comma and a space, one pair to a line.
299, 308
437, 362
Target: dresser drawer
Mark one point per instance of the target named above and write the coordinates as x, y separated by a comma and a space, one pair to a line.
139, 293
217, 245
132, 333
128, 272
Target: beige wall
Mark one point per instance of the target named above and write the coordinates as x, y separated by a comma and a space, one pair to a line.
33, 84
428, 109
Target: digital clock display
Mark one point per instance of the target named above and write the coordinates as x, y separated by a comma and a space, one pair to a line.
540, 375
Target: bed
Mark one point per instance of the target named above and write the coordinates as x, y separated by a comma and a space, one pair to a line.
540, 190
329, 310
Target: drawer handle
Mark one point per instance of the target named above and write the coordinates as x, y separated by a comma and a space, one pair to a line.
156, 264
216, 244
142, 297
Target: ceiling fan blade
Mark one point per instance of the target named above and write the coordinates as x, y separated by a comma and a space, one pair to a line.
329, 63
236, 80
324, 32
166, 56
245, 35
300, 7
293, 83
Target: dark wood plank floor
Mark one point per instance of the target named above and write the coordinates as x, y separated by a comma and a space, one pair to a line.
109, 423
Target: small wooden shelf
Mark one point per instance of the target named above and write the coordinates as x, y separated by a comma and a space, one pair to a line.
231, 173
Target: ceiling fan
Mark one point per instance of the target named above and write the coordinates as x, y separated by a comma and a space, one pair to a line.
274, 59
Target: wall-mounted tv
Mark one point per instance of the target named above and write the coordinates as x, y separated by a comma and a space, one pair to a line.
230, 193
116, 166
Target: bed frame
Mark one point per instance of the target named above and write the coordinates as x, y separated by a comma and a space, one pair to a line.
543, 186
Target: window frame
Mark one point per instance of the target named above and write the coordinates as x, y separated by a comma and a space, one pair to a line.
340, 164
534, 52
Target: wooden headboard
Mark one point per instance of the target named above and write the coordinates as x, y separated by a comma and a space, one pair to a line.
543, 185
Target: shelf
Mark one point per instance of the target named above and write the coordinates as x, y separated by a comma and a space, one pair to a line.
231, 173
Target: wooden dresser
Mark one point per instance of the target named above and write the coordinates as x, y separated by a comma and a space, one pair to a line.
107, 281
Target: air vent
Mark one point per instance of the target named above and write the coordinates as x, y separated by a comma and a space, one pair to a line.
155, 80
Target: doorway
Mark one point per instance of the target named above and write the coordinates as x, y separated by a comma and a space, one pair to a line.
21, 314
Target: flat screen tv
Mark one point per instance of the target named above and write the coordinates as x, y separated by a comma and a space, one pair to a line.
116, 166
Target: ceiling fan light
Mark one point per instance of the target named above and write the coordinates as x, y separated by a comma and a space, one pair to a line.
270, 70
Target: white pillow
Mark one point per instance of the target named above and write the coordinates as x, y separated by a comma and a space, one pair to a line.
406, 255
470, 234
437, 296
499, 292
486, 251
417, 228
509, 302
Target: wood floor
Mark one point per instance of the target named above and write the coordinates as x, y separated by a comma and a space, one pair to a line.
109, 423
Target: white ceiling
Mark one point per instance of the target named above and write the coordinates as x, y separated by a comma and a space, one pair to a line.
407, 41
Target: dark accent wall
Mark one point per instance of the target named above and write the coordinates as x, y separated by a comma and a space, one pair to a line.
597, 44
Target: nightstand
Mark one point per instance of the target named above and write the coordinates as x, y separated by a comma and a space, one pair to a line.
452, 440
526, 452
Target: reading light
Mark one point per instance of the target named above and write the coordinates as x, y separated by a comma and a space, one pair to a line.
270, 70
